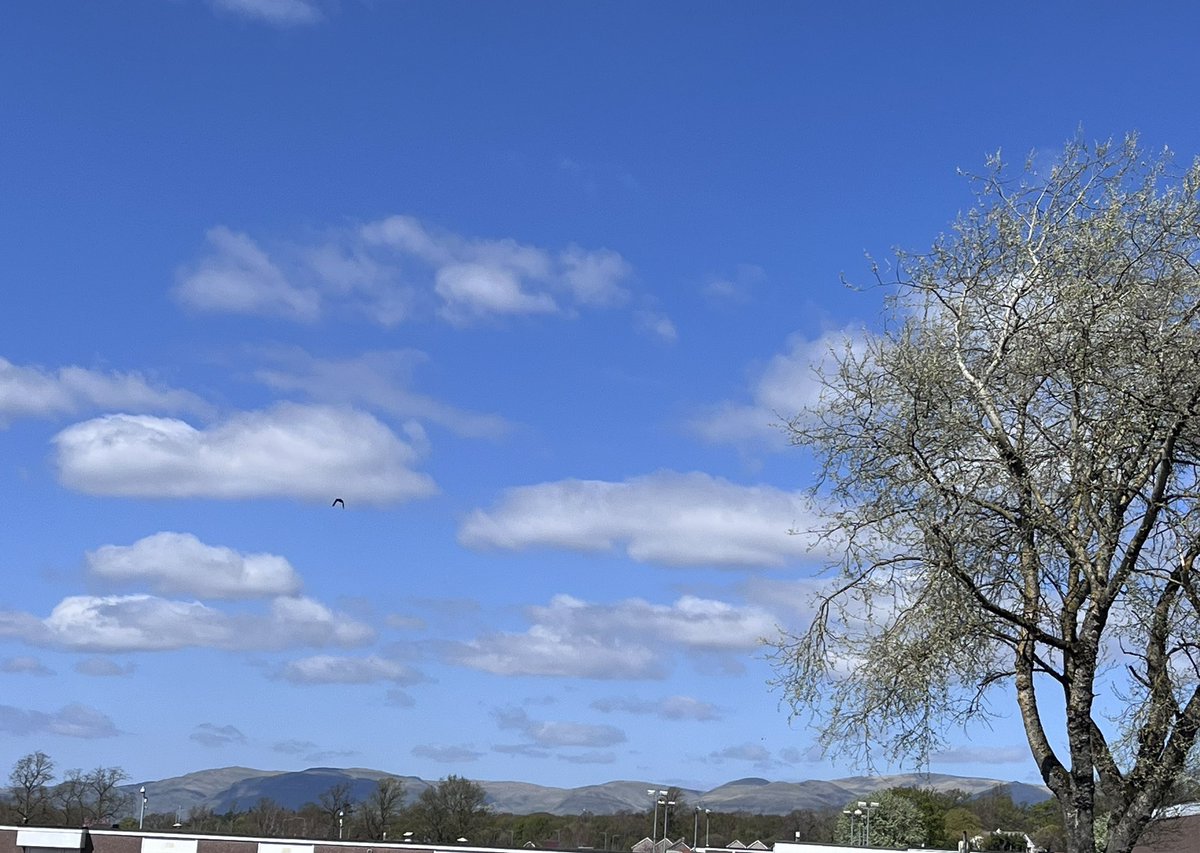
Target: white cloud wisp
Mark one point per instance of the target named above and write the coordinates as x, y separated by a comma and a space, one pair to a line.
666, 518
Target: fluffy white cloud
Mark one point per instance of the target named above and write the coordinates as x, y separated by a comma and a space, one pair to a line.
629, 639
666, 518
785, 387
72, 720
238, 277
179, 563
377, 380
147, 623
282, 13
305, 452
542, 733
32, 391
392, 268
334, 669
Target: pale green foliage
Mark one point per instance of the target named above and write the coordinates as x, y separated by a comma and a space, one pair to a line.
1011, 465
895, 822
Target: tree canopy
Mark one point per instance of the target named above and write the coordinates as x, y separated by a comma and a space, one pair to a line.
1009, 470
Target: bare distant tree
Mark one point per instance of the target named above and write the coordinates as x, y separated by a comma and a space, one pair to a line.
453, 808
1011, 472
266, 818
71, 794
103, 799
29, 787
335, 804
382, 807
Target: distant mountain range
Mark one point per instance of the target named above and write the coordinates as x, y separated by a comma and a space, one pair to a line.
240, 788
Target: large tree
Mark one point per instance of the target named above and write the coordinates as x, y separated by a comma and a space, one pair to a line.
1009, 470
29, 788
453, 808
382, 807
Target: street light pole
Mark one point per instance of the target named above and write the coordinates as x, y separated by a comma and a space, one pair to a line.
341, 816
696, 828
666, 817
142, 808
657, 795
707, 813
867, 809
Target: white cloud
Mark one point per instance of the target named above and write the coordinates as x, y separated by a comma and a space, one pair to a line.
179, 563
377, 380
208, 734
549, 734
785, 387
981, 755
629, 639
72, 720
238, 277
666, 518
333, 669
669, 708
753, 753
723, 290
592, 277
33, 391
103, 667
304, 452
590, 758
471, 292
657, 325
281, 13
393, 268
447, 754
146, 623
24, 665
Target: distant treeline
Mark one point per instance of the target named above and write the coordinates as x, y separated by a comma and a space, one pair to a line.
455, 809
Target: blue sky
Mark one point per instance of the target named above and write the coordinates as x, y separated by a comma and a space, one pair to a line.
527, 286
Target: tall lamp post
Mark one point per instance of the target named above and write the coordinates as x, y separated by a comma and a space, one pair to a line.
666, 817
341, 817
142, 807
696, 828
707, 813
866, 808
657, 795
849, 814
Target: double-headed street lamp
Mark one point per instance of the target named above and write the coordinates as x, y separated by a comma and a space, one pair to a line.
657, 795
864, 809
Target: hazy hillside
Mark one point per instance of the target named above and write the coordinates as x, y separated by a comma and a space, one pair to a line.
240, 788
